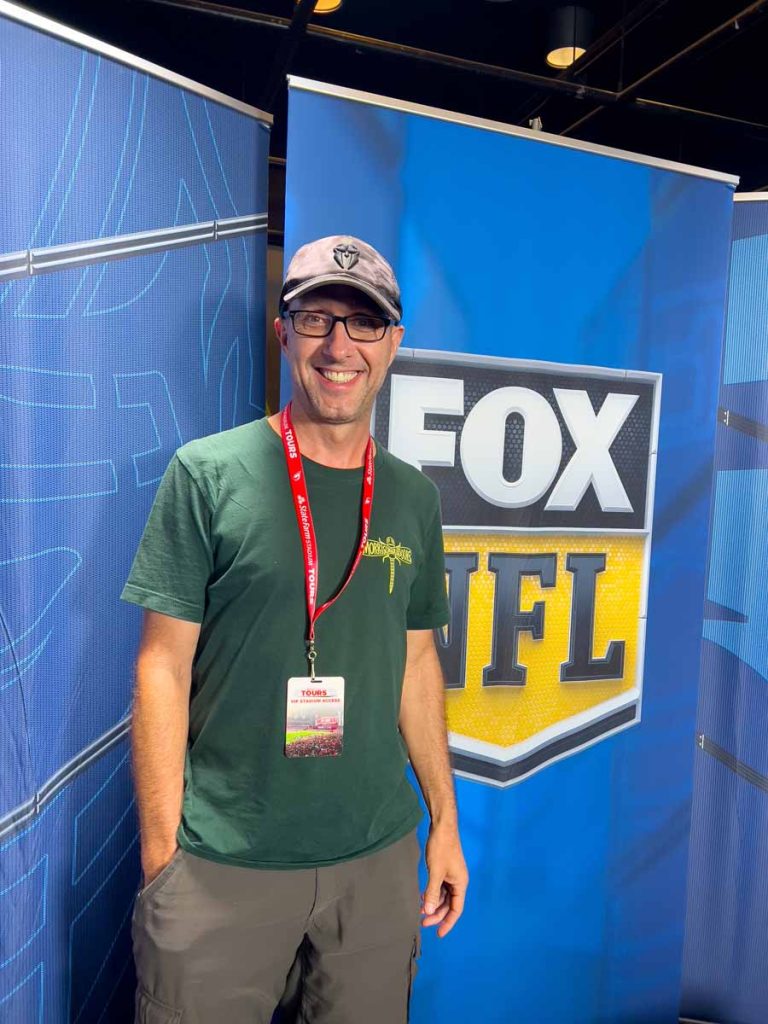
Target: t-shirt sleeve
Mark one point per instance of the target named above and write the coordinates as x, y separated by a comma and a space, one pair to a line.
174, 562
428, 606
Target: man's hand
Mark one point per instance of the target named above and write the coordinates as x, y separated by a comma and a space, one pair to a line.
448, 879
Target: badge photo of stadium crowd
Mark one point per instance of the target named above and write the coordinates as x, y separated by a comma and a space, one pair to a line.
314, 744
314, 735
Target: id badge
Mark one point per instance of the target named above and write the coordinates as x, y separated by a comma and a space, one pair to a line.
314, 719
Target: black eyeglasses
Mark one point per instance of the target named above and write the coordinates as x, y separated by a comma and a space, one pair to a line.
359, 326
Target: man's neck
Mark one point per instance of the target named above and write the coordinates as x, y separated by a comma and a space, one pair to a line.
337, 445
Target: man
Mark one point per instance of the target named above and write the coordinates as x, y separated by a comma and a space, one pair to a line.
293, 575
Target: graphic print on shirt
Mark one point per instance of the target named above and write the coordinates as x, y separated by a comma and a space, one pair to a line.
391, 552
546, 474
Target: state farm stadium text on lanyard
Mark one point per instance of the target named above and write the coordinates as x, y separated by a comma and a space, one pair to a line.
298, 484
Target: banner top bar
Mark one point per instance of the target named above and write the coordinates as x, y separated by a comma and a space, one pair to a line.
751, 197
70, 35
406, 107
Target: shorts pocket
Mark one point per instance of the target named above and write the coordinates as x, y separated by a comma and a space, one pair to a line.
162, 877
151, 1011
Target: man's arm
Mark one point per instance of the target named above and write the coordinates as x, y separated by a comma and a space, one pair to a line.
159, 733
422, 724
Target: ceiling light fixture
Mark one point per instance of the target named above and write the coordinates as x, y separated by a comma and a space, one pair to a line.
570, 34
326, 6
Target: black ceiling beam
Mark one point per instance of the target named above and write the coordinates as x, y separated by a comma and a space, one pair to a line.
628, 91
573, 90
282, 63
691, 114
224, 11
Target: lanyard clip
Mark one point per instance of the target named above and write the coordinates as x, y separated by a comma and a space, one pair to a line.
311, 655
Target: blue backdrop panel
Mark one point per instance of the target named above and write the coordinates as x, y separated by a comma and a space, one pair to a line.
107, 365
726, 943
508, 246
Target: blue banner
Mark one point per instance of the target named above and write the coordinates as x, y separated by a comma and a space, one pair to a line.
132, 272
726, 942
563, 313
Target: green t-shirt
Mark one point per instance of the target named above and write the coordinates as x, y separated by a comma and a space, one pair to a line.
221, 547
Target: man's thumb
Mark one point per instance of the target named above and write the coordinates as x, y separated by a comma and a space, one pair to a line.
431, 897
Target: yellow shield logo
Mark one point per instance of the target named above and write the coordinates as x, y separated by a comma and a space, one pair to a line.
546, 476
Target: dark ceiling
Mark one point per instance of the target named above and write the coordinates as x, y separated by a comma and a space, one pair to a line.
715, 56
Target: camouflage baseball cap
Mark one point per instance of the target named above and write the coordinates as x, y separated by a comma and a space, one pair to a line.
341, 259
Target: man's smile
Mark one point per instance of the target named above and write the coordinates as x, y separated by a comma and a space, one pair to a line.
338, 376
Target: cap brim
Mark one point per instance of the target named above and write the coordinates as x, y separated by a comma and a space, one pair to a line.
351, 282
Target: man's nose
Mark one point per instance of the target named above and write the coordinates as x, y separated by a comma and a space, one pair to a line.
338, 343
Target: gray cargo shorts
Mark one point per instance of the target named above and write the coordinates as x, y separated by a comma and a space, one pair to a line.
215, 944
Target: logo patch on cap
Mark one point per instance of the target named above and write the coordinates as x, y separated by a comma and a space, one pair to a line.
346, 256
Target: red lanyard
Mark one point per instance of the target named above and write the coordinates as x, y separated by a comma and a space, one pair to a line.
298, 484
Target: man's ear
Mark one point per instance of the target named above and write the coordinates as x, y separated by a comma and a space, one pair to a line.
280, 332
396, 338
